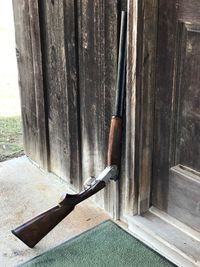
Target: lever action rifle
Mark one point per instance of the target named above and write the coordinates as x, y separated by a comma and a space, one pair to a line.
35, 229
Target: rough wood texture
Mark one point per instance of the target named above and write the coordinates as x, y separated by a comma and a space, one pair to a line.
28, 50
61, 83
142, 36
146, 53
163, 97
79, 44
188, 97
176, 140
128, 183
98, 39
184, 200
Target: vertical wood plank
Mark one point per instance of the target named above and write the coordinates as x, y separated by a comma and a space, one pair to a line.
57, 20
147, 41
72, 67
167, 25
98, 33
112, 28
28, 48
128, 182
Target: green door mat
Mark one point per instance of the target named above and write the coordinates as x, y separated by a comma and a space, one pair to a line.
104, 245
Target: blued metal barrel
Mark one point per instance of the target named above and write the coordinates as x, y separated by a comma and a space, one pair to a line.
121, 74
115, 135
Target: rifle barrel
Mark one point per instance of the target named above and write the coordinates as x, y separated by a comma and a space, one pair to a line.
121, 75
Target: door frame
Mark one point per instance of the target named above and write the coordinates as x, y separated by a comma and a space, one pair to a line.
142, 41
146, 68
148, 224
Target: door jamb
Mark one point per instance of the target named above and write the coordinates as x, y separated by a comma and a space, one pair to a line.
145, 68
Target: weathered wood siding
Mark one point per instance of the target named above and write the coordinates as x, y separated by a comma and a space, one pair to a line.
128, 184
146, 53
77, 58
31, 79
98, 39
61, 87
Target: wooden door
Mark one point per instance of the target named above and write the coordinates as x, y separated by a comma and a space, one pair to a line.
176, 154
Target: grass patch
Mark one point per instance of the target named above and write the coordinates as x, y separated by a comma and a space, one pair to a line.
11, 139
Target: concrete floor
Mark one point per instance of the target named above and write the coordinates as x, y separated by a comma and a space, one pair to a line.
26, 191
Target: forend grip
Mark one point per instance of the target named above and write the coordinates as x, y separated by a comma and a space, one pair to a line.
115, 142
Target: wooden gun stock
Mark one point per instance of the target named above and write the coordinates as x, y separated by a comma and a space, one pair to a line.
34, 230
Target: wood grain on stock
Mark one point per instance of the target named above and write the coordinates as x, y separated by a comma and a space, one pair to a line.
35, 229
114, 145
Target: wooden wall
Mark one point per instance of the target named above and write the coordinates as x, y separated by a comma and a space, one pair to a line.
31, 79
67, 70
